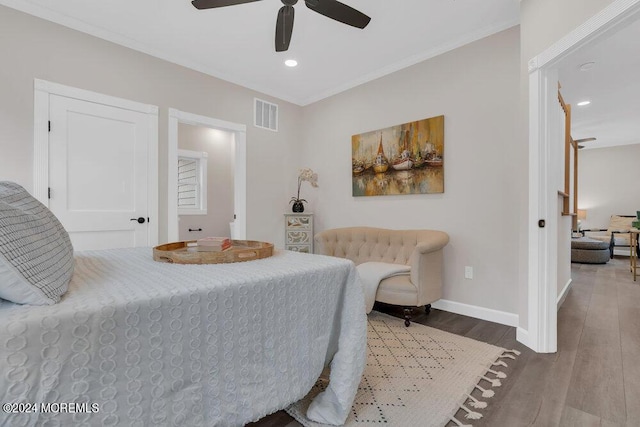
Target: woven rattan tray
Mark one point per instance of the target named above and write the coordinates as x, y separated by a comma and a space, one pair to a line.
241, 250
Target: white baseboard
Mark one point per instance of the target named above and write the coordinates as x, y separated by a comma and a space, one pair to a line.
564, 292
502, 317
522, 336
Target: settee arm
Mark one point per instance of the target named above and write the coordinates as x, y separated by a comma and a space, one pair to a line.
437, 242
426, 266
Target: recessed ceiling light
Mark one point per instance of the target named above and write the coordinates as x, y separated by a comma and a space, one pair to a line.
583, 103
291, 63
586, 66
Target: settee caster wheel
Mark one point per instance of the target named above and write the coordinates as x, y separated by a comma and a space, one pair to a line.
427, 308
407, 316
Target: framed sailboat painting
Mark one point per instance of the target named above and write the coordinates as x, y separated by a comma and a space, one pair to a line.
401, 159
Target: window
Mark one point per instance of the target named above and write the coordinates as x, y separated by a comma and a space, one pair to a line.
192, 182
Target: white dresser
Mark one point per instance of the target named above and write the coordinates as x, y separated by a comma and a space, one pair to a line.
298, 232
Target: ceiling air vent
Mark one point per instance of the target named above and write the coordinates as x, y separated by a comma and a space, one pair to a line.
265, 115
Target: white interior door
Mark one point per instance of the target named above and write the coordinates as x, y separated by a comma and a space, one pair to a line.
98, 167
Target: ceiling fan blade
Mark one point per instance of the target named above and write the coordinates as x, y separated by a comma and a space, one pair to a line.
339, 11
209, 4
284, 28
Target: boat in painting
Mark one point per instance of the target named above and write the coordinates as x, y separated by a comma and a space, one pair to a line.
380, 164
404, 161
435, 161
429, 150
357, 166
431, 156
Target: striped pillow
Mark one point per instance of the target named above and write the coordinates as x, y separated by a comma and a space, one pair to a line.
36, 256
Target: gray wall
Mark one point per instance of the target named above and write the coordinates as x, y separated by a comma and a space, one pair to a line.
476, 88
33, 48
608, 181
219, 146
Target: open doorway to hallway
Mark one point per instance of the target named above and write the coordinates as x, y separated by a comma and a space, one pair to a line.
205, 182
225, 146
543, 199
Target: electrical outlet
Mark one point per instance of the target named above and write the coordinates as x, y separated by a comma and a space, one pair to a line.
468, 272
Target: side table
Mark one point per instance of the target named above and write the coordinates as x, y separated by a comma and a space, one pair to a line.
298, 232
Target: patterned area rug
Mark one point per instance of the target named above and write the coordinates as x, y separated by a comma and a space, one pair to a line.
418, 376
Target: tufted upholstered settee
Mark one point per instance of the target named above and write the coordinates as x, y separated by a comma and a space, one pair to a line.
419, 249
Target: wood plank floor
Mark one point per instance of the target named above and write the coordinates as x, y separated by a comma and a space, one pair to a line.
593, 379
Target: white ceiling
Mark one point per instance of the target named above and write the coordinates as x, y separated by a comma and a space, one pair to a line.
236, 43
612, 86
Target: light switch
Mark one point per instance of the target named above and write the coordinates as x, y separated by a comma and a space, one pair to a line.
468, 272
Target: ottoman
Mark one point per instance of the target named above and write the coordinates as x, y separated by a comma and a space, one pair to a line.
589, 251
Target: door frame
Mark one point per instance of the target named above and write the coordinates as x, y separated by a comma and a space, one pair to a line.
541, 332
239, 132
42, 91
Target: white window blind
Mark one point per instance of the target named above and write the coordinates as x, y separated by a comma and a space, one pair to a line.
188, 172
192, 182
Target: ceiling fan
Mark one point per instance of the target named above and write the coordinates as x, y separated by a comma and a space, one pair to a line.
284, 25
579, 141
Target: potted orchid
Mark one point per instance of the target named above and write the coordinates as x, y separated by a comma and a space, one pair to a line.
305, 174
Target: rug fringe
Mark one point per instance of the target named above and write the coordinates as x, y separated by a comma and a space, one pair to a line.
475, 403
485, 393
498, 374
509, 354
471, 415
459, 423
494, 382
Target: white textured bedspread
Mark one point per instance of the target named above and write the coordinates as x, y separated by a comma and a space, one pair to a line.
157, 344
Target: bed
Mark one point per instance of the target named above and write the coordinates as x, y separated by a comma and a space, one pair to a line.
185, 345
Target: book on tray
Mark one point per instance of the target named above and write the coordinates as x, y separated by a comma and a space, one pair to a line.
213, 244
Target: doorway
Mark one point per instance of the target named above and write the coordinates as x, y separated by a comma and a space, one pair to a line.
235, 134
205, 182
541, 335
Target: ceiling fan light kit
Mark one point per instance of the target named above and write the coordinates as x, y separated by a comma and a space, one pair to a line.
284, 24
